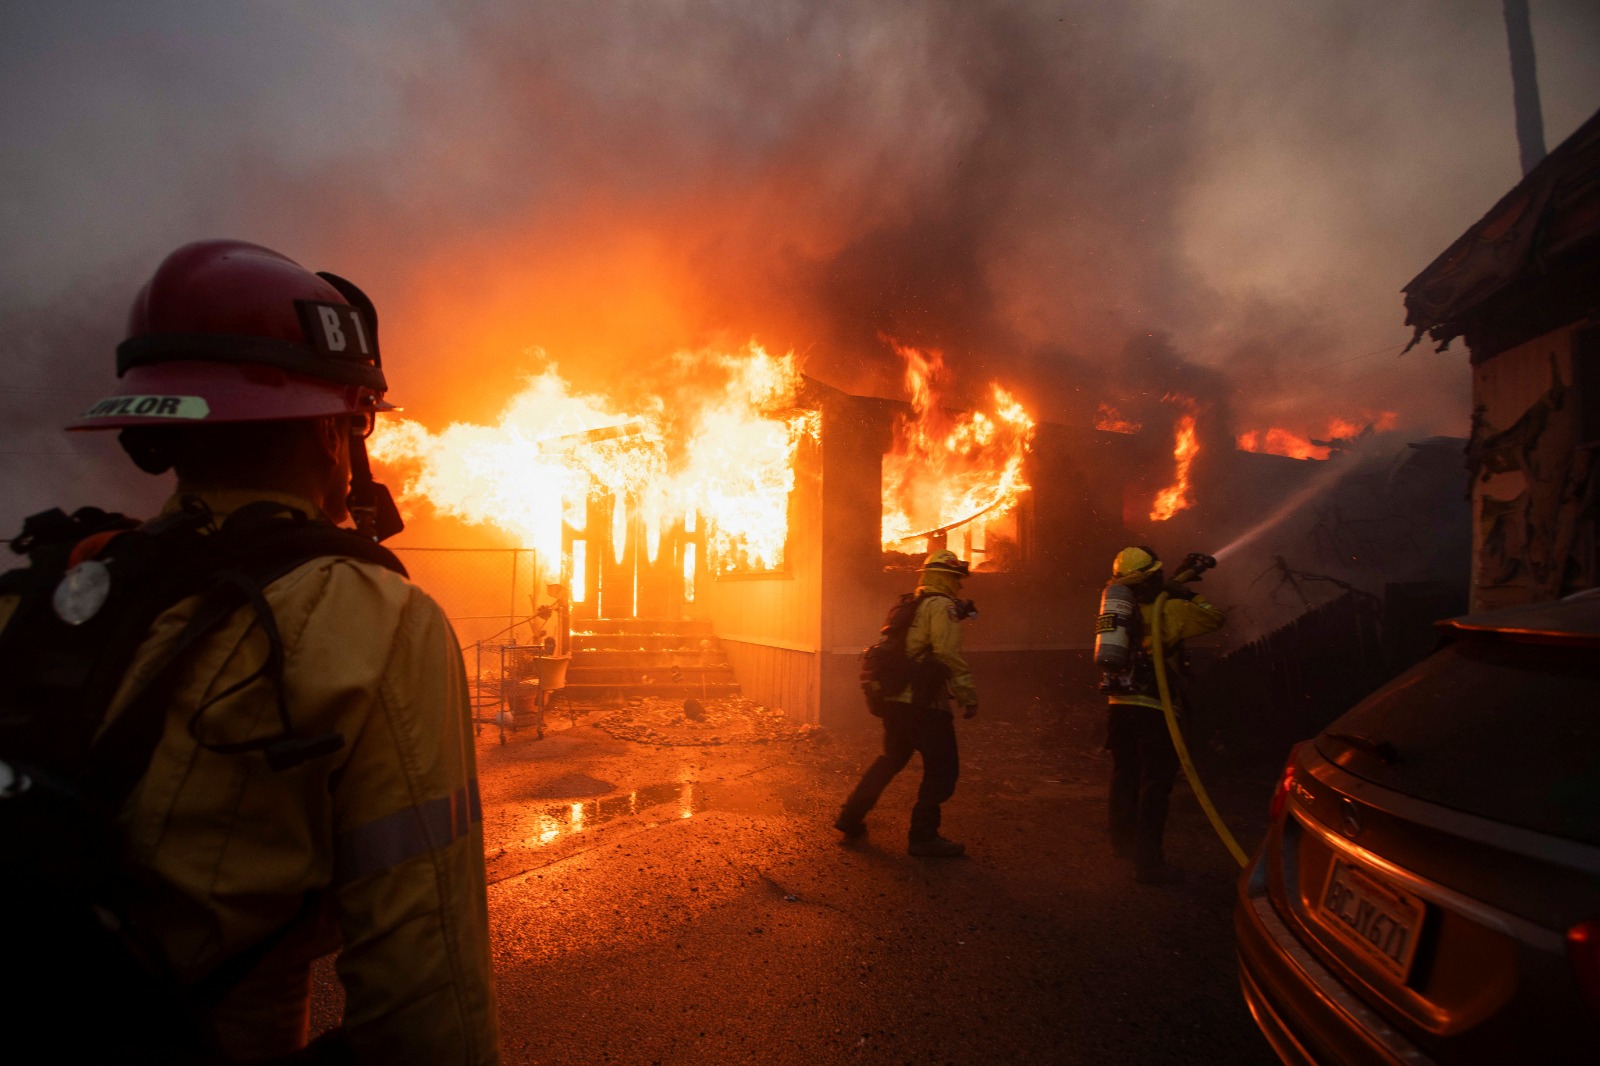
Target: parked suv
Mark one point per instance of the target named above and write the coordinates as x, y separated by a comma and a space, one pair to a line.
1429, 888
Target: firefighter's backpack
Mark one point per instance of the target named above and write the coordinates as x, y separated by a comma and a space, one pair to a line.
86, 984
886, 669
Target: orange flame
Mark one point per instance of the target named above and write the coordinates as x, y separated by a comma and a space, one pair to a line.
1186, 445
724, 449
1280, 441
1109, 420
946, 470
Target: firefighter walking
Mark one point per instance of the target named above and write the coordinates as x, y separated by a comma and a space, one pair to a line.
917, 718
1144, 765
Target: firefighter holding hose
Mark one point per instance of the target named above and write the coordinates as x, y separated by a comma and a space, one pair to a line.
1144, 761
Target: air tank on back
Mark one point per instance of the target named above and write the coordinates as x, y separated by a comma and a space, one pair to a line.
1117, 629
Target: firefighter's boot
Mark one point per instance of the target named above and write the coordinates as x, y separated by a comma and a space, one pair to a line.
851, 826
936, 847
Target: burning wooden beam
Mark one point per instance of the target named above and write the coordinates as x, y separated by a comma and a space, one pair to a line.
632, 427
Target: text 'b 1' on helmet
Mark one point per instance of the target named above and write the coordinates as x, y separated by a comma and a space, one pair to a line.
227, 331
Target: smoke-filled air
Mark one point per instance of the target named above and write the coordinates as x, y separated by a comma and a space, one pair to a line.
1092, 207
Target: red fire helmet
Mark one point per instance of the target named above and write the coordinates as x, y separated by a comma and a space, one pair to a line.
227, 331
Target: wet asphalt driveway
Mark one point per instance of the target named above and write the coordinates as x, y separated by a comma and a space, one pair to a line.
691, 904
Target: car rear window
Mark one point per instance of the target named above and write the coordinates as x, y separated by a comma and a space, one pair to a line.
1494, 727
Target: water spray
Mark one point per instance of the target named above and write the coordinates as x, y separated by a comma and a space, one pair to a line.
1324, 481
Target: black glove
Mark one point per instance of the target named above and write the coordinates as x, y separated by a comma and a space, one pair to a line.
1195, 564
1177, 590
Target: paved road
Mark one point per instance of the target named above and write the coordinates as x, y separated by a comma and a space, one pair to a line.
689, 904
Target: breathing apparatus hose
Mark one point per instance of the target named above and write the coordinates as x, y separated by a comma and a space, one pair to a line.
1182, 749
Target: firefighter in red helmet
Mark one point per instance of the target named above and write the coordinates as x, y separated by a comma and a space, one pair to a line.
232, 334
257, 381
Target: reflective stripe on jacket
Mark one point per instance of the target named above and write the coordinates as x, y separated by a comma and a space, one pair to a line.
1180, 619
378, 847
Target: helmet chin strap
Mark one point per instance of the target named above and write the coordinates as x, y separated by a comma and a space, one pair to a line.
369, 502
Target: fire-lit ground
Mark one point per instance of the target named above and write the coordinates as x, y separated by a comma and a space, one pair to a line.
691, 904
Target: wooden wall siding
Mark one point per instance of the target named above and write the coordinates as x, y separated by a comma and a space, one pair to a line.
1534, 489
770, 623
855, 591
777, 678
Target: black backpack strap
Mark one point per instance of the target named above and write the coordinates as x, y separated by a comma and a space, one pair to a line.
121, 755
263, 534
61, 675
265, 545
61, 678
55, 527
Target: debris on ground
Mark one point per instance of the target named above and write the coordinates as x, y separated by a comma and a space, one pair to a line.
688, 723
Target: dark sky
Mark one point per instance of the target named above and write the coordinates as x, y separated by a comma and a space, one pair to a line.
1038, 189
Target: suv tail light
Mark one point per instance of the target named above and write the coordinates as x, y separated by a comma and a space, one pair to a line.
1583, 951
1280, 795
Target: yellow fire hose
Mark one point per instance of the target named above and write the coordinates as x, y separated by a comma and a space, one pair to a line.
1177, 736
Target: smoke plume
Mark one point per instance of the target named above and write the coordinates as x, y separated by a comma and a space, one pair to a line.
1085, 200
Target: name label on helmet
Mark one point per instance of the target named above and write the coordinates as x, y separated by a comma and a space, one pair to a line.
187, 407
336, 330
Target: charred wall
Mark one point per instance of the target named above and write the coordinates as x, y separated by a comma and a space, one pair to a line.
1536, 482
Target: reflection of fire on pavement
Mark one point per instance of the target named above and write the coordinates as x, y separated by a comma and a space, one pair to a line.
720, 720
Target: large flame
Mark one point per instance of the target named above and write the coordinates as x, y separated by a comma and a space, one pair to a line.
1280, 441
947, 469
1108, 419
720, 448
1186, 445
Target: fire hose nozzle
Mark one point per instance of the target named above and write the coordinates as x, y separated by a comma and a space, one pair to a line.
1194, 564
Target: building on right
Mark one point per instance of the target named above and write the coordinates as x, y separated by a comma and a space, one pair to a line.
1522, 288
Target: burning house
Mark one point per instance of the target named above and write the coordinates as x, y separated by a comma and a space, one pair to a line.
744, 528
768, 520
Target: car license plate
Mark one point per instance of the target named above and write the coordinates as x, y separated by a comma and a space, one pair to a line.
1380, 921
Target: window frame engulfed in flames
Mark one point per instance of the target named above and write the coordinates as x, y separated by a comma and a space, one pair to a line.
974, 462
957, 539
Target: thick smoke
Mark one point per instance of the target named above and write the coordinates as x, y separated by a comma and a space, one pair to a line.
1087, 200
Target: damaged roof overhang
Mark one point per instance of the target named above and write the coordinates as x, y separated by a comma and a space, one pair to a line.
1543, 235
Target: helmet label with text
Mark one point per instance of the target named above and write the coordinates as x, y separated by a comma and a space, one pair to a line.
188, 408
336, 330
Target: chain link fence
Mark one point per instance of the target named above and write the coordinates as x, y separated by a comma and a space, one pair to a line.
489, 594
